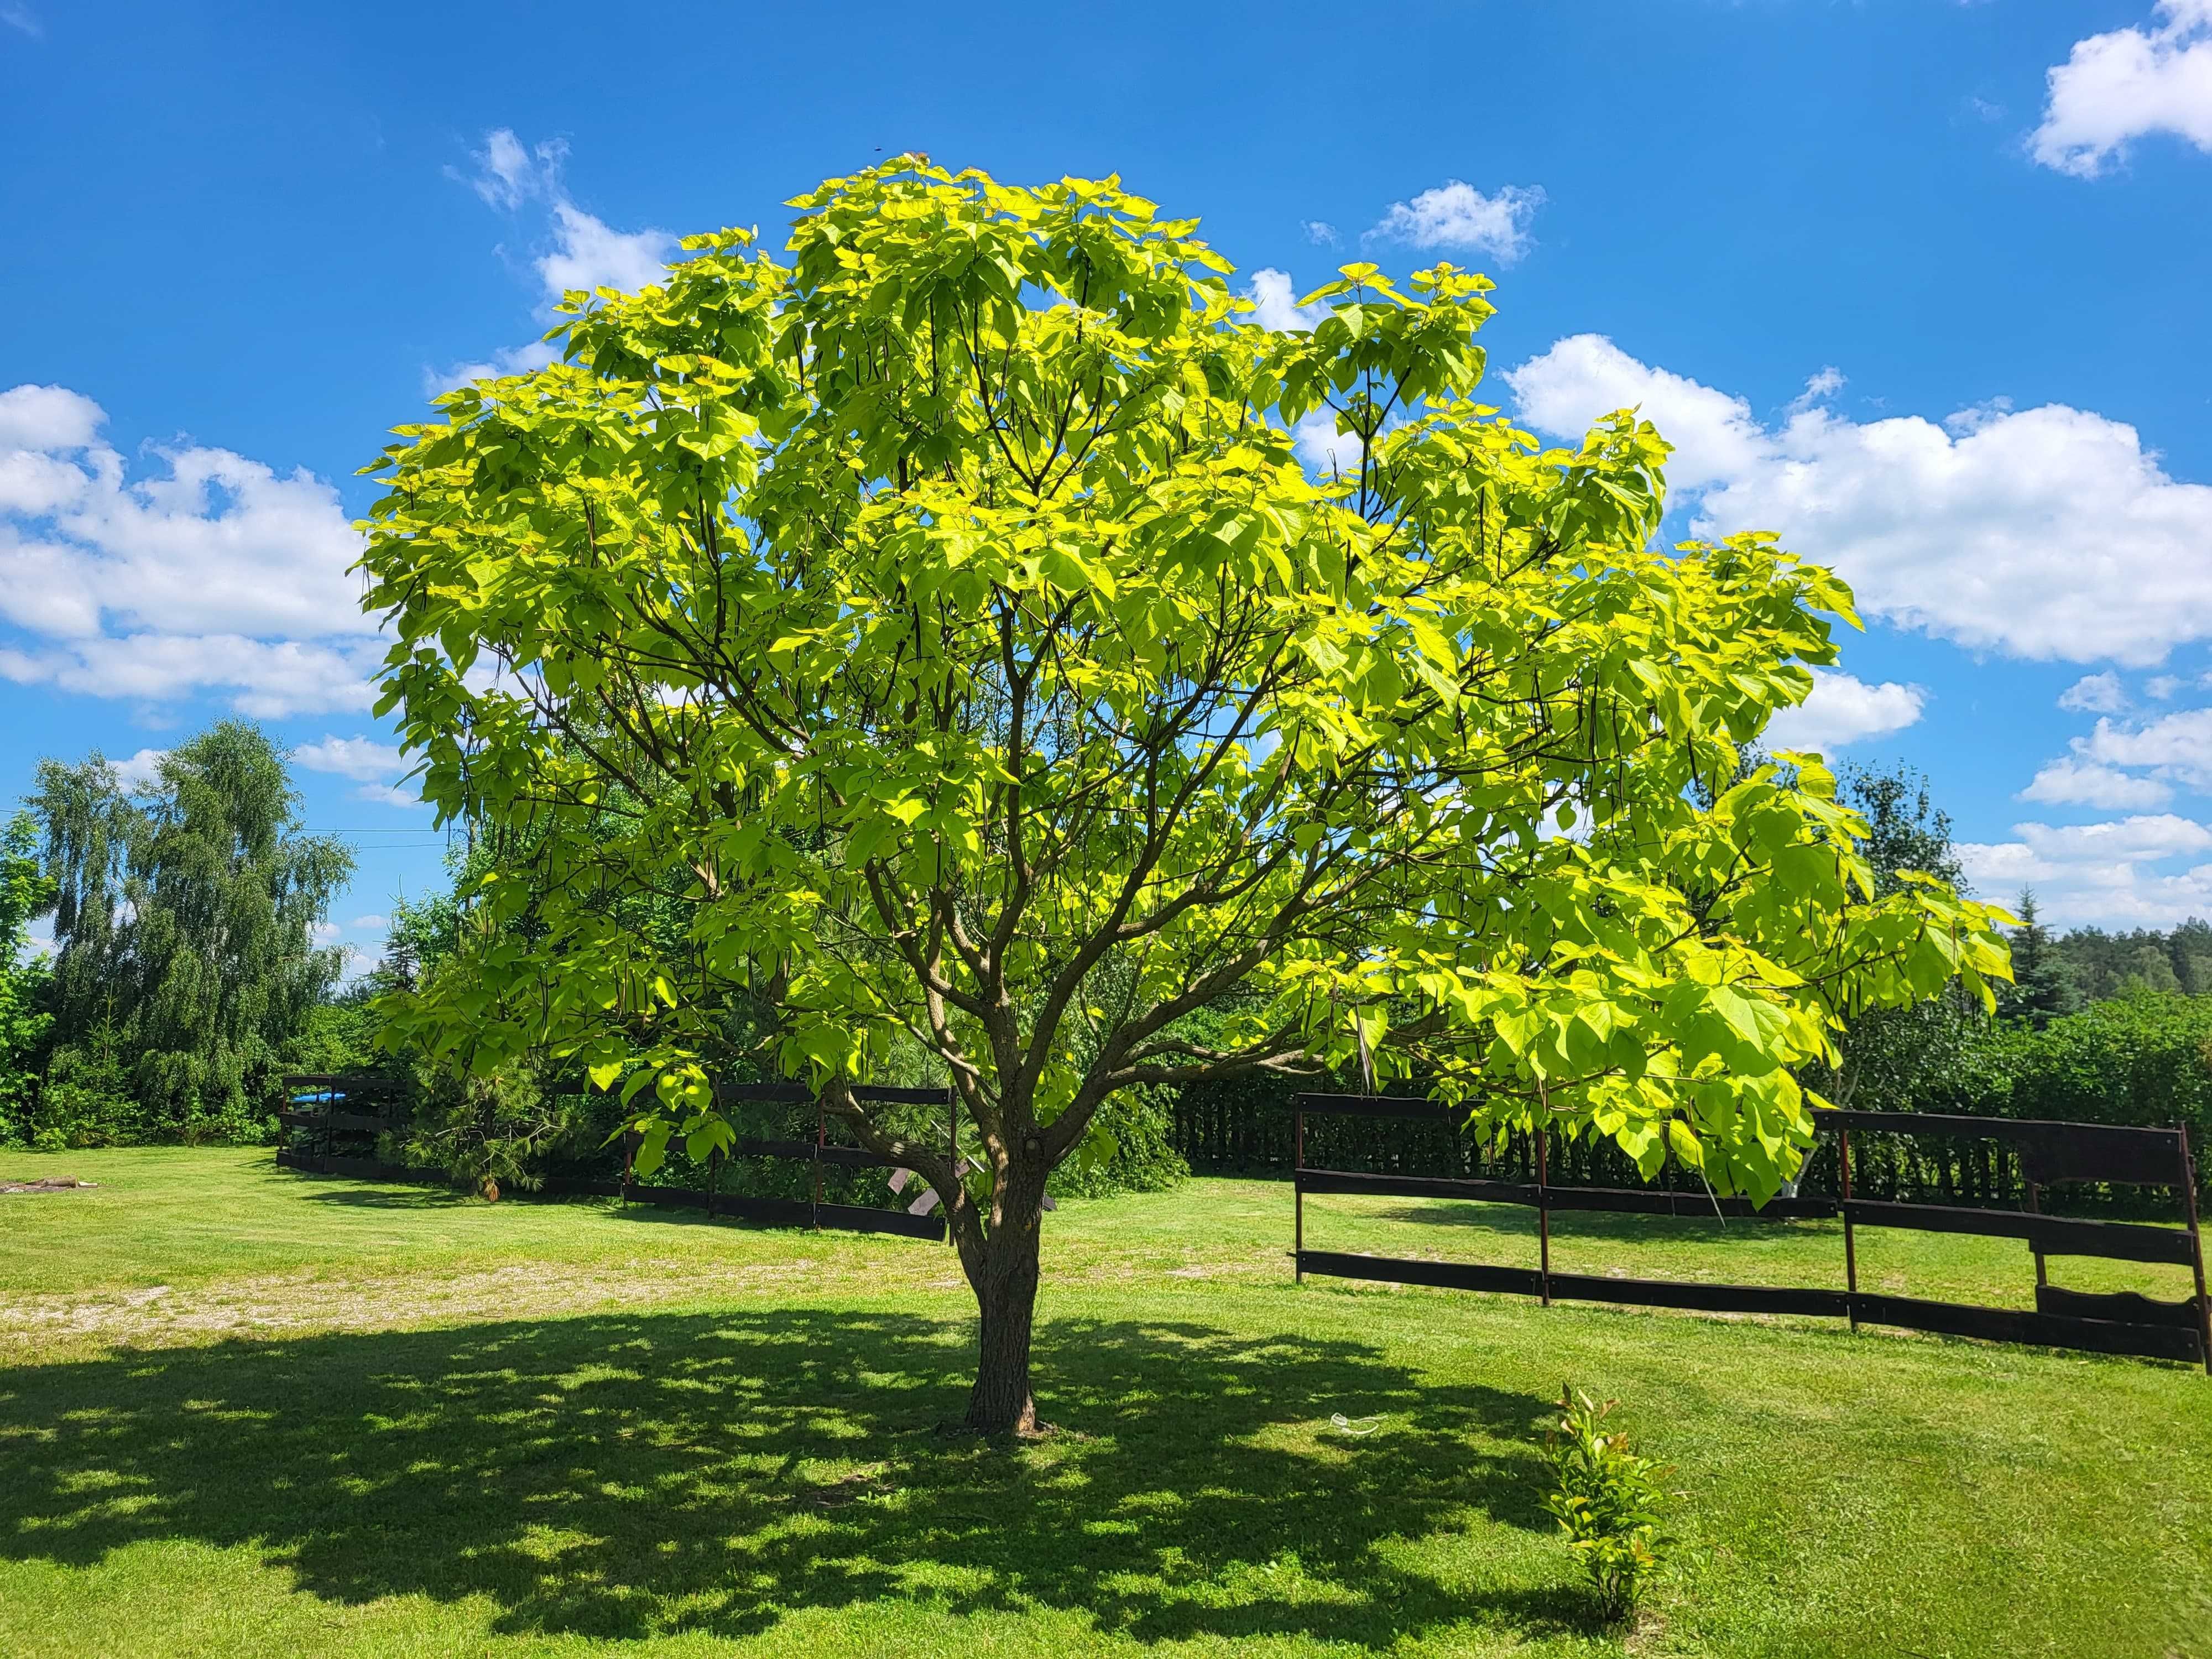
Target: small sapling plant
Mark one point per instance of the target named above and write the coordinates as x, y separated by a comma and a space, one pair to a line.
1608, 1502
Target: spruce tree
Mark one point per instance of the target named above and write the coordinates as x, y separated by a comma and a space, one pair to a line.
2041, 988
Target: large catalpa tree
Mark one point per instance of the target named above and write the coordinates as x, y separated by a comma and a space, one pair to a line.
941, 619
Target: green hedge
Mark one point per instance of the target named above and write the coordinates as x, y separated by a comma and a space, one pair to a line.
2144, 1059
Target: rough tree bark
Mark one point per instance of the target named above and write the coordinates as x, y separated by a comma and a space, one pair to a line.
1002, 1268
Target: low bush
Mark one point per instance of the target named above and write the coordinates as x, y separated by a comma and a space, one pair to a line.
1608, 1502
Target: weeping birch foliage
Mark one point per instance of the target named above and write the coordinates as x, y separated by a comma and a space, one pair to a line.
186, 917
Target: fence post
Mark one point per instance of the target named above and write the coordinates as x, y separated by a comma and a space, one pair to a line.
1850, 1245
1298, 1197
820, 1135
2042, 1269
2196, 1246
1544, 1211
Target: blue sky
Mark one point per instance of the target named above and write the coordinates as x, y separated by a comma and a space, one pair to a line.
1921, 285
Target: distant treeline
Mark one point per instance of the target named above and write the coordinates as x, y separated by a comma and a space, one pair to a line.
2099, 965
189, 980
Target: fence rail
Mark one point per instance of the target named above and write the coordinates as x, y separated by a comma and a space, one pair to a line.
326, 1138
2050, 1154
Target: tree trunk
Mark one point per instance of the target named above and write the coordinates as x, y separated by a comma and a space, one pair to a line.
1006, 1284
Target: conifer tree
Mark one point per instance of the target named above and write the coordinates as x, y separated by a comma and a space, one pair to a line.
2041, 988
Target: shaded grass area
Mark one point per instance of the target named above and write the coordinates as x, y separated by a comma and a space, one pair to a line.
751, 1464
622, 1477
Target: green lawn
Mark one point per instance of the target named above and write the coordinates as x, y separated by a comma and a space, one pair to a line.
244, 1411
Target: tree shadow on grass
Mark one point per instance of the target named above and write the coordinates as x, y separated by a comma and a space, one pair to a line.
624, 1476
397, 1197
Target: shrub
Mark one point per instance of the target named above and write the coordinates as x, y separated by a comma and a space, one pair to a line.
1133, 1149
1608, 1502
2137, 1059
485, 1131
86, 1099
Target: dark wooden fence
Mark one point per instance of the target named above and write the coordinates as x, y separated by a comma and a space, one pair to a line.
333, 1125
2049, 1154
1247, 1128
922, 1218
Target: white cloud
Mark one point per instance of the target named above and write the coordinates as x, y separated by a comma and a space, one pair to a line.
21, 17
509, 173
1842, 709
369, 763
325, 932
511, 360
2161, 687
2116, 87
265, 679
2073, 781
49, 417
141, 769
586, 254
1275, 303
371, 924
2116, 874
1716, 437
1326, 452
207, 571
390, 794
2177, 746
2095, 694
350, 757
2047, 532
2119, 766
1820, 385
583, 251
1455, 214
1321, 233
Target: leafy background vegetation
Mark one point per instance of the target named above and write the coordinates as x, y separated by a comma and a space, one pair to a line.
116, 1044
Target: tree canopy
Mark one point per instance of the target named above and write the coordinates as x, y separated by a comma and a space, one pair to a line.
24, 975
940, 622
1890, 1055
185, 919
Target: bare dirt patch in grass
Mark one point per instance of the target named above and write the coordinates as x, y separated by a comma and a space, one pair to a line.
49, 1327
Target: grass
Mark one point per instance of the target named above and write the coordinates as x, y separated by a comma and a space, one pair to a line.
244, 1411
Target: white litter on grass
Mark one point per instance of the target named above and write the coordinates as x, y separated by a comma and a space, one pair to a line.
1344, 1424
